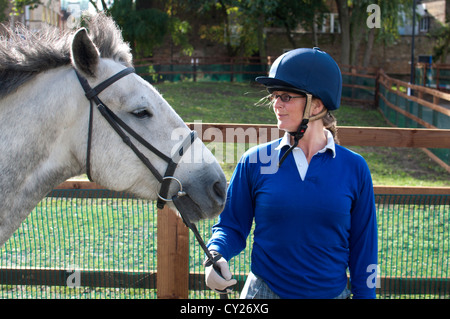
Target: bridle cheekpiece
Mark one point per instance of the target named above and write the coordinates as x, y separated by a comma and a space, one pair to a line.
122, 129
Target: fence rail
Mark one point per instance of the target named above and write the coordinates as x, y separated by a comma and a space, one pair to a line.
436, 76
196, 281
348, 135
407, 105
221, 68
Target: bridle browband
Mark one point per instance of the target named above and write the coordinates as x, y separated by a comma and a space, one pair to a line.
122, 129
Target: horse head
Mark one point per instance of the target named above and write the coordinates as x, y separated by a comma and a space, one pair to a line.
136, 104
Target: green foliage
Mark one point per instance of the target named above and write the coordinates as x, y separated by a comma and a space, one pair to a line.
243, 21
143, 29
291, 13
442, 43
3, 7
146, 28
179, 30
391, 19
19, 5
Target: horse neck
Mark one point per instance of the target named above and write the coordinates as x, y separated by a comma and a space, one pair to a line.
36, 123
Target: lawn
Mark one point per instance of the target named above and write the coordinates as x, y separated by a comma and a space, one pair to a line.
214, 102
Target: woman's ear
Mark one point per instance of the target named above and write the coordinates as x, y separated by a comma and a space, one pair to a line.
316, 106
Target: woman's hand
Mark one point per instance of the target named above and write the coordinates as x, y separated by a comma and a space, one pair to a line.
218, 275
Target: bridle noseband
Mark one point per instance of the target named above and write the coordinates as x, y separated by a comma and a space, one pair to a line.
121, 128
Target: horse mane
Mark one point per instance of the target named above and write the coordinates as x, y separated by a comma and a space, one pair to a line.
24, 53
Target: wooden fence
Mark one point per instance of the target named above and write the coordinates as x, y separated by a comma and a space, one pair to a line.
173, 278
408, 105
435, 76
426, 97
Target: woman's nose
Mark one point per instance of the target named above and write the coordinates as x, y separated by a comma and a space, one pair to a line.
278, 103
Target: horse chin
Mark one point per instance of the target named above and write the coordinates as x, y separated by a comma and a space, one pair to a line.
189, 209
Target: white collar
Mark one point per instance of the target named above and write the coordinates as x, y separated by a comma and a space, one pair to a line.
286, 141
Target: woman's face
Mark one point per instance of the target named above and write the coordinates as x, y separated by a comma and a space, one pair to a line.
289, 113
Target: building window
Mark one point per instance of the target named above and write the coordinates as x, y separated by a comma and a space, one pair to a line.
330, 23
424, 24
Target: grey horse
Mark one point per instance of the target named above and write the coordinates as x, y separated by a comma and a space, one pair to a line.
44, 117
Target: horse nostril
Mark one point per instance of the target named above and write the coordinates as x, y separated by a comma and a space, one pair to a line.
220, 191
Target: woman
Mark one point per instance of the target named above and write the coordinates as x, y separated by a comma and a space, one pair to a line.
314, 211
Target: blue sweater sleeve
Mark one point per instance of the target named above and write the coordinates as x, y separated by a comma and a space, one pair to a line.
363, 240
235, 222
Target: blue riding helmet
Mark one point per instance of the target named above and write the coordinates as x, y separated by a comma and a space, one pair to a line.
306, 70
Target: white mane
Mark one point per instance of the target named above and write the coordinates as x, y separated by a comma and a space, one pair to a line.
24, 54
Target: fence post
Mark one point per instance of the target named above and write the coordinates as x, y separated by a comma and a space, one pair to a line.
377, 89
231, 70
173, 256
194, 68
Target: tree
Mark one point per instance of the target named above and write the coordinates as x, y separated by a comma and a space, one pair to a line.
354, 30
290, 14
3, 6
105, 5
146, 23
442, 38
18, 6
143, 27
240, 24
442, 43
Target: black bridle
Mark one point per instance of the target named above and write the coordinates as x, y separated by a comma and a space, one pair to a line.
120, 127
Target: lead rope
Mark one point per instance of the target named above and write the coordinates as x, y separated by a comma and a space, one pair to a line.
210, 259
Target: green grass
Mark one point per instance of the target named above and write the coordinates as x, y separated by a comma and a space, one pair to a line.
235, 103
217, 102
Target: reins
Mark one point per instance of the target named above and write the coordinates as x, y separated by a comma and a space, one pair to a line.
121, 129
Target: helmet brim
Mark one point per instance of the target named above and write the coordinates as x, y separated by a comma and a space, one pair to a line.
269, 81
273, 84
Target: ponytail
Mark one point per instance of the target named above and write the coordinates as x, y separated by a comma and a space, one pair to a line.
330, 123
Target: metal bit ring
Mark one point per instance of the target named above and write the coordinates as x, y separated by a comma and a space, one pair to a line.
180, 193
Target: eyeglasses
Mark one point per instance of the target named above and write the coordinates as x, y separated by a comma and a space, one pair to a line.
284, 97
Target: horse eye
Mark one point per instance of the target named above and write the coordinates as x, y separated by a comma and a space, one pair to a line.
141, 114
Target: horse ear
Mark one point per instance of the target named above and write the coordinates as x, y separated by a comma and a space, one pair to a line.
84, 53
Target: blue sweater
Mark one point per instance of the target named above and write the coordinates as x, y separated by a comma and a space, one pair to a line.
307, 233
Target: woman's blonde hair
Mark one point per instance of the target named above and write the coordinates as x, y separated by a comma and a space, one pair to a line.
330, 123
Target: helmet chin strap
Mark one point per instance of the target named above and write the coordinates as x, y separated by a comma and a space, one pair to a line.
298, 135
